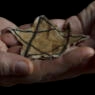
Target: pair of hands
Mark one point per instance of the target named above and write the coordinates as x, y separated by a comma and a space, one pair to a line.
80, 60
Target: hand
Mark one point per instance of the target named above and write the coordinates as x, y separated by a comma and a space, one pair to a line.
78, 61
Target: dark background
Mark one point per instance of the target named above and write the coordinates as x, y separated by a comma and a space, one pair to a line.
25, 12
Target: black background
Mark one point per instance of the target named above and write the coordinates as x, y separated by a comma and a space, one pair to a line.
25, 12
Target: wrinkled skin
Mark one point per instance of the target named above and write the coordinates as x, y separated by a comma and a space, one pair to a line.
79, 60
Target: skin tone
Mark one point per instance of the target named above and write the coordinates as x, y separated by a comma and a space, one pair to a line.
79, 60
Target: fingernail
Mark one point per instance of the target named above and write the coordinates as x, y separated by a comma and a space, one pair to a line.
21, 68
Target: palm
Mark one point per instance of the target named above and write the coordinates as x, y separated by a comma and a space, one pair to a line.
60, 71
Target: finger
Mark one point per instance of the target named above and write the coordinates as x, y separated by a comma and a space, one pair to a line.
84, 68
54, 70
12, 64
4, 23
9, 39
87, 17
25, 26
59, 23
75, 25
3, 46
87, 68
15, 49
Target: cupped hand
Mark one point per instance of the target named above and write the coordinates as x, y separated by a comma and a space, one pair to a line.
79, 60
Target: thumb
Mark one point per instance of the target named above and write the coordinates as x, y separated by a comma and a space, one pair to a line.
78, 55
57, 69
13, 64
77, 61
